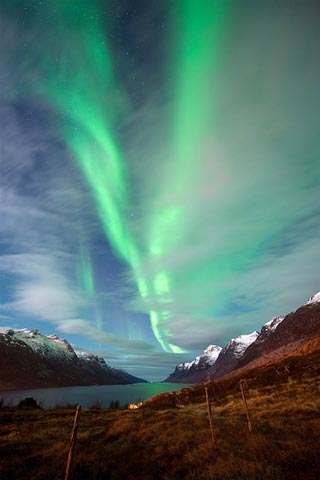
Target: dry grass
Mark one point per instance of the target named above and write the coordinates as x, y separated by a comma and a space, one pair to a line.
172, 443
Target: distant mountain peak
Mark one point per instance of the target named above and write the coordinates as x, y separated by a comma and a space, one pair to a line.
271, 325
209, 355
207, 358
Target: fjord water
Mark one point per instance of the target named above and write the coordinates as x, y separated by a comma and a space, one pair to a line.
100, 395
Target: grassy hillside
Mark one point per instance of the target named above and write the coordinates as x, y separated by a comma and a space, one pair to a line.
172, 443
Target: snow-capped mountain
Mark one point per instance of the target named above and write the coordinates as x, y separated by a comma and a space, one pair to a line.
267, 329
207, 358
231, 354
201, 363
213, 361
30, 360
239, 344
297, 331
271, 325
298, 326
49, 345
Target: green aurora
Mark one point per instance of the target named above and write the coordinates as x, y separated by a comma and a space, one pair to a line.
200, 27
89, 110
230, 182
90, 137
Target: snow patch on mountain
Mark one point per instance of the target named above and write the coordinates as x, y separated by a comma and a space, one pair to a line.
90, 357
314, 299
272, 325
51, 346
240, 344
48, 345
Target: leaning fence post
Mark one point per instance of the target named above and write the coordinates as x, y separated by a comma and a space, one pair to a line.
213, 437
72, 443
241, 383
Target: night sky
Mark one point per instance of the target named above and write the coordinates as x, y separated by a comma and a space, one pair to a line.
159, 171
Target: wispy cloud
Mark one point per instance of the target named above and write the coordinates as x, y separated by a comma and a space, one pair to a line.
150, 365
40, 206
88, 329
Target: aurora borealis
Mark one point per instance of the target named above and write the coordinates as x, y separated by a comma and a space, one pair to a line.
160, 167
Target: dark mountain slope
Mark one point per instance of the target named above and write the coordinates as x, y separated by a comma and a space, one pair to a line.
31, 360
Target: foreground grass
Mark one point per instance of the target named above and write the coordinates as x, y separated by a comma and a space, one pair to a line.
174, 443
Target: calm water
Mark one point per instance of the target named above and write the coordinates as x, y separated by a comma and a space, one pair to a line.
88, 396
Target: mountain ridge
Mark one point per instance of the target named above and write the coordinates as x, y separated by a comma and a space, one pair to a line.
293, 334
32, 360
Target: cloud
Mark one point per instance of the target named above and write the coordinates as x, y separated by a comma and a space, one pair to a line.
40, 289
36, 229
87, 329
41, 207
150, 365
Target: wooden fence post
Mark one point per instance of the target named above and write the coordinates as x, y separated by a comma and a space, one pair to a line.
241, 383
72, 443
213, 437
